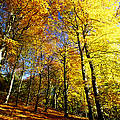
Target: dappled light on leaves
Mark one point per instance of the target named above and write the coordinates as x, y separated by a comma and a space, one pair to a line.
60, 55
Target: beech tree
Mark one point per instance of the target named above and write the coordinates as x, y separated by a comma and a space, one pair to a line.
79, 13
69, 51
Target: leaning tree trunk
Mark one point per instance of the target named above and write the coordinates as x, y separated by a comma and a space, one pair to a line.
12, 76
83, 74
98, 106
11, 85
38, 95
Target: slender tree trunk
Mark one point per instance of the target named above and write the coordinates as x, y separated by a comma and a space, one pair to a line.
12, 77
3, 53
47, 95
11, 85
65, 90
38, 95
20, 85
54, 97
29, 89
17, 96
99, 112
83, 74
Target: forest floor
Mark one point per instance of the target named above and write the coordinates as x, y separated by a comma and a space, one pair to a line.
11, 112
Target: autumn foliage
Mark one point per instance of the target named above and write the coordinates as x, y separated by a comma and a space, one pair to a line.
60, 55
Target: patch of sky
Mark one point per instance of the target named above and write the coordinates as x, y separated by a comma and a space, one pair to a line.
6, 70
27, 63
59, 16
108, 41
1, 19
25, 76
71, 12
50, 16
118, 25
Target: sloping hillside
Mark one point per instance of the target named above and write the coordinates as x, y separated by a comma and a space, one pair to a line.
10, 112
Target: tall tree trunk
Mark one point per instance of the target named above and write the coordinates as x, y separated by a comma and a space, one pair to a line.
38, 95
47, 95
11, 85
20, 85
3, 54
83, 74
57, 93
54, 97
17, 96
29, 89
65, 90
56, 100
12, 76
98, 106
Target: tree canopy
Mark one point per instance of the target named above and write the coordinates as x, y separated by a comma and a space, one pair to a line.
62, 54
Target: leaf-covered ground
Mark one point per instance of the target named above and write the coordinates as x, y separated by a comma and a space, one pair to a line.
10, 112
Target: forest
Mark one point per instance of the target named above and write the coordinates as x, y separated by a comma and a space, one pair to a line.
59, 59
